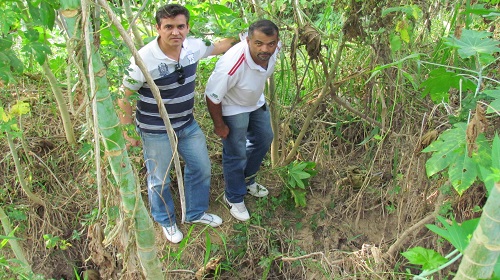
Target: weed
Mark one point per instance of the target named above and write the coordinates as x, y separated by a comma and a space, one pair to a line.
296, 176
391, 208
55, 242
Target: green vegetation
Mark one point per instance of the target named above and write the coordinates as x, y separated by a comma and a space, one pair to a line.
385, 162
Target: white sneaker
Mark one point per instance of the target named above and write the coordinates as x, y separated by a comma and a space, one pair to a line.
257, 190
173, 233
208, 219
238, 210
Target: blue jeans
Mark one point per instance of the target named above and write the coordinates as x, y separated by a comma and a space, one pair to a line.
249, 139
192, 148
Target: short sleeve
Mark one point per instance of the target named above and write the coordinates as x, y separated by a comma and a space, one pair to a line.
208, 47
204, 48
217, 86
134, 79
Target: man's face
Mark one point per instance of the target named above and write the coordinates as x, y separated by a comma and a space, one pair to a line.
172, 31
262, 47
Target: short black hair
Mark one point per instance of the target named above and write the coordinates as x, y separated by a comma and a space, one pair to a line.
171, 11
265, 26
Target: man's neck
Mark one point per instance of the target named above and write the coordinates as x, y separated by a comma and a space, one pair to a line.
171, 52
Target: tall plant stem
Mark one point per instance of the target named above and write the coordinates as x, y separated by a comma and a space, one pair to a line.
275, 120
131, 19
95, 115
20, 174
161, 107
483, 251
139, 227
61, 103
14, 245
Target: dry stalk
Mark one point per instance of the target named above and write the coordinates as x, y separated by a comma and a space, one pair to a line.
311, 255
402, 238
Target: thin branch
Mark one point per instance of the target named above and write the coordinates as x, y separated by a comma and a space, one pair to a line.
427, 219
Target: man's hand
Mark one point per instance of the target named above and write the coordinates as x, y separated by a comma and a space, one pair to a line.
130, 141
222, 131
215, 110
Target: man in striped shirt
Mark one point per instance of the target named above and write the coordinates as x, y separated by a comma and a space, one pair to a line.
171, 60
236, 102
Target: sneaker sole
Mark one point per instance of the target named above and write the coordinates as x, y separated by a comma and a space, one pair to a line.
201, 222
256, 195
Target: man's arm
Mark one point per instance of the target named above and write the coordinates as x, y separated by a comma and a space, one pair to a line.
126, 115
215, 110
223, 45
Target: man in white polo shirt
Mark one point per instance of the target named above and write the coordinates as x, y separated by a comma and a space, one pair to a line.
236, 102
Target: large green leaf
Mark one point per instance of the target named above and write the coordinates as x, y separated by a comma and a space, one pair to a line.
39, 50
450, 152
427, 258
495, 153
458, 235
439, 83
32, 35
463, 172
489, 171
47, 14
299, 196
34, 10
495, 104
5, 73
15, 63
5, 42
482, 11
43, 12
446, 149
473, 42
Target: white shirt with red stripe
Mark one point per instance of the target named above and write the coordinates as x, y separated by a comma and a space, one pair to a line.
238, 82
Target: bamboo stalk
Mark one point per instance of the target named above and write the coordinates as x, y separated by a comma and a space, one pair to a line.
159, 101
14, 245
139, 226
483, 251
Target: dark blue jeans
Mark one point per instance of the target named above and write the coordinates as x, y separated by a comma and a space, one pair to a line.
249, 139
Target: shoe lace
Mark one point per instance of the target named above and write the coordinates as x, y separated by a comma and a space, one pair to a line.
207, 217
256, 188
240, 206
171, 230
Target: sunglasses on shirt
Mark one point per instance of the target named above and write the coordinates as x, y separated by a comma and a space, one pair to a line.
180, 70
